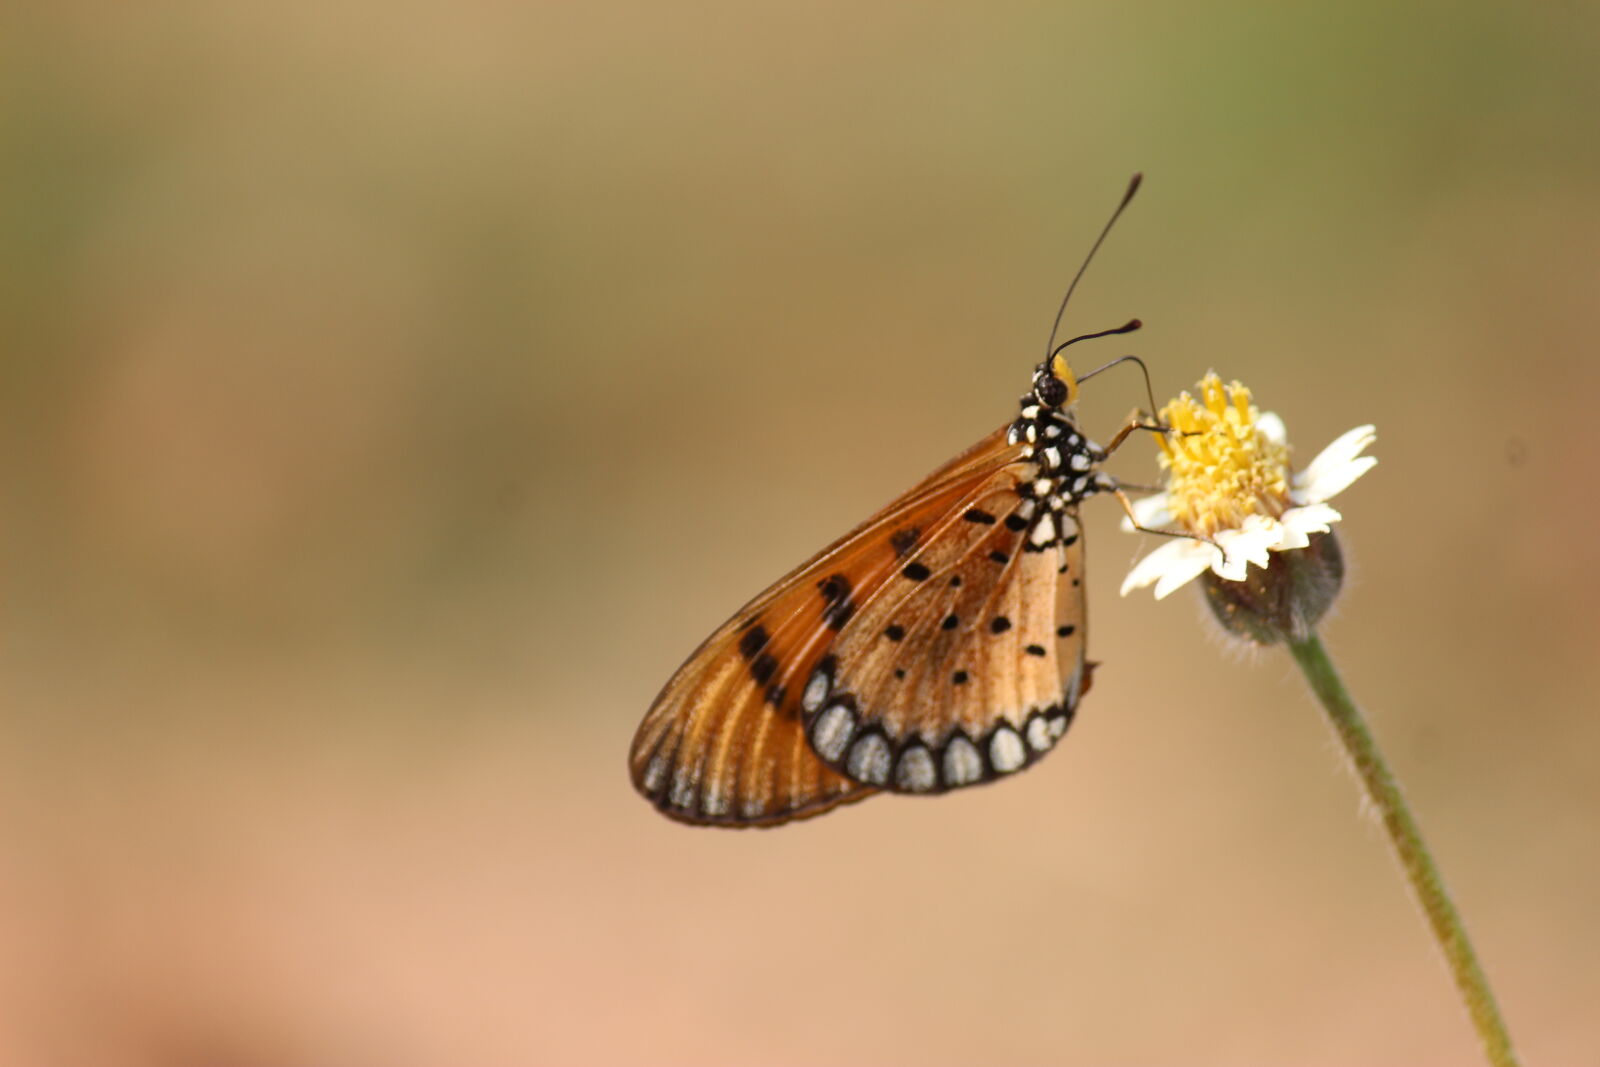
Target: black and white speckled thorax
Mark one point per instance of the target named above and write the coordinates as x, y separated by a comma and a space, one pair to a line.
1065, 460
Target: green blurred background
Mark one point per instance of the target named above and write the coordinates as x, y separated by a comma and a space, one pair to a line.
395, 393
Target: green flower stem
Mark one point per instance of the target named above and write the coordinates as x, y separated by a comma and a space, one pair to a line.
1409, 849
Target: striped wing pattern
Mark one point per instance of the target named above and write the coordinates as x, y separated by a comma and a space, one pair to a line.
940, 644
724, 742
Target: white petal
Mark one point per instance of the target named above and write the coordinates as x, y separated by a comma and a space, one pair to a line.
1293, 536
1151, 511
1231, 565
1332, 481
1149, 569
1187, 566
1248, 544
1172, 556
1335, 467
1308, 520
1272, 427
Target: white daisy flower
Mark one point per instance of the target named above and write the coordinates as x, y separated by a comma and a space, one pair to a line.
1229, 480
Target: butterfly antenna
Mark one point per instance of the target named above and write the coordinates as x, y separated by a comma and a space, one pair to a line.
1148, 392
1127, 327
1133, 187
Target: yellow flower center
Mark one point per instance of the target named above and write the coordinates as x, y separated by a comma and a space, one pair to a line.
1223, 469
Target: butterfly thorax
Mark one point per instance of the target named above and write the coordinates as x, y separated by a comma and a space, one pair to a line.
1064, 457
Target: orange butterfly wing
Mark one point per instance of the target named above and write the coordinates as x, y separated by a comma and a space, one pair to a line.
970, 663
725, 742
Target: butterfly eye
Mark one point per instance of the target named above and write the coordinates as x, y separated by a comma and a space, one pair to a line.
1051, 391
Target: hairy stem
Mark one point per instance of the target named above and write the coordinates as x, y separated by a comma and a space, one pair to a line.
1406, 838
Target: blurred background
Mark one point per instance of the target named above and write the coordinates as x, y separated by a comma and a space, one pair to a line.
393, 394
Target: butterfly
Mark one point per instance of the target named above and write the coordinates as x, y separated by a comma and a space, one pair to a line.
938, 645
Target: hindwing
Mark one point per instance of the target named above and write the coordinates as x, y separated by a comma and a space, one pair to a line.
725, 741
970, 663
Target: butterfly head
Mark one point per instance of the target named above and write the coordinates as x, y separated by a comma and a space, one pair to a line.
1054, 384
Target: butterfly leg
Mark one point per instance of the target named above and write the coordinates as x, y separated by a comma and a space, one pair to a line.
1115, 487
1135, 422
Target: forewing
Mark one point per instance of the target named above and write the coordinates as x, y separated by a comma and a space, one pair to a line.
725, 742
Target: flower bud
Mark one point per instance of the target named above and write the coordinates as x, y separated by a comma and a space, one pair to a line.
1284, 600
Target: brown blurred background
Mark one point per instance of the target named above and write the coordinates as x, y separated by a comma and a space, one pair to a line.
395, 393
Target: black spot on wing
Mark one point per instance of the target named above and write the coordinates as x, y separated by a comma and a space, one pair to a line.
835, 590
902, 540
763, 667
979, 515
753, 641
915, 571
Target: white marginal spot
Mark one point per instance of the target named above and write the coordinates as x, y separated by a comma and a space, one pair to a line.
1031, 411
832, 732
962, 764
1005, 750
869, 760
1039, 737
1057, 504
753, 808
714, 802
1074, 441
1079, 462
1052, 456
1058, 726
915, 771
1025, 510
816, 690
1033, 434
682, 788
1044, 531
1069, 525
1042, 486
1052, 430
655, 772
1078, 484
